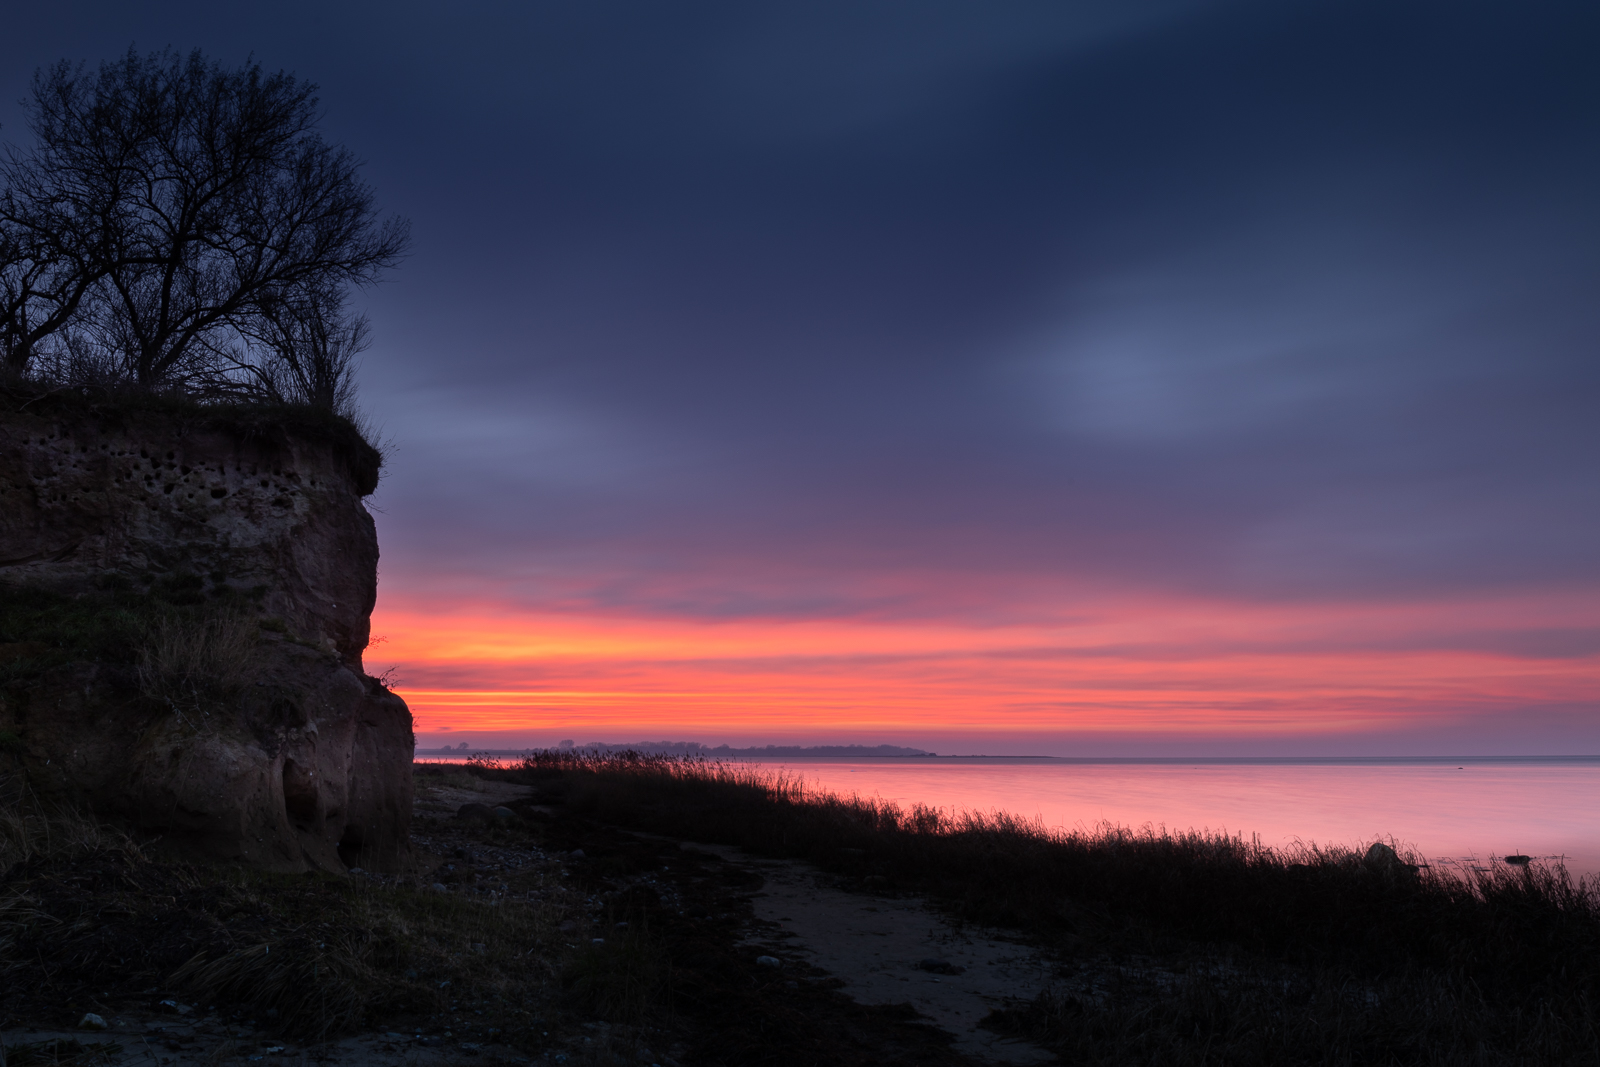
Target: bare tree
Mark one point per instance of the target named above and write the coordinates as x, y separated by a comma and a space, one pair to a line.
307, 343
48, 265
165, 209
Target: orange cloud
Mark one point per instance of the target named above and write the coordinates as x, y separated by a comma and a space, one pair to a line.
1179, 668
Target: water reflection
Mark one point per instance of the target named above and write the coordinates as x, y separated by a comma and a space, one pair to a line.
1464, 812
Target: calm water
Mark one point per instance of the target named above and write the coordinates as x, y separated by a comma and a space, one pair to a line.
1454, 812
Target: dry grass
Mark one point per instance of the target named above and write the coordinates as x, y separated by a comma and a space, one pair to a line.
389, 951
31, 829
623, 978
190, 662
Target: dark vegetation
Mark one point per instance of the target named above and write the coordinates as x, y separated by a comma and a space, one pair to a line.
90, 923
1177, 948
505, 939
148, 632
1170, 949
260, 419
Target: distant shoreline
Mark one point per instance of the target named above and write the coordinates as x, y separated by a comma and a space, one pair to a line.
1158, 761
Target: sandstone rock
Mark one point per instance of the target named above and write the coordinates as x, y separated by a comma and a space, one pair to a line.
301, 760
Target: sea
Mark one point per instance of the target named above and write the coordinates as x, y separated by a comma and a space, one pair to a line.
1447, 810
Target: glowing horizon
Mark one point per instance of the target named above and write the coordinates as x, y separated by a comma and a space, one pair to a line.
1305, 676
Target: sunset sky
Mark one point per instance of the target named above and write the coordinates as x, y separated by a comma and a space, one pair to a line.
1064, 377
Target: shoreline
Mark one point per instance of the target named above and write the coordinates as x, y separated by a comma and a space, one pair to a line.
459, 757
609, 912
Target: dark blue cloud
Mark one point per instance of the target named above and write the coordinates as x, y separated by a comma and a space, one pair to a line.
1262, 300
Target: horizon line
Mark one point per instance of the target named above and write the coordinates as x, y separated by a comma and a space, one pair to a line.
1550, 757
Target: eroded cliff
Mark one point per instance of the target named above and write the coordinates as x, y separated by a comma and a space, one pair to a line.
186, 598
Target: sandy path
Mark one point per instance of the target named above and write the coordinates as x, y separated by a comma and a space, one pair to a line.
874, 946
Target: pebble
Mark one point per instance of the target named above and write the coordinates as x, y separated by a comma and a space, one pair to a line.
768, 961
938, 966
91, 1021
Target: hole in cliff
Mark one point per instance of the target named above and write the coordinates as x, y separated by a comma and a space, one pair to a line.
351, 846
284, 711
218, 494
299, 794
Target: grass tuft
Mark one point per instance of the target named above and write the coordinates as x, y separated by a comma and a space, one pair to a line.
622, 978
32, 830
189, 661
312, 990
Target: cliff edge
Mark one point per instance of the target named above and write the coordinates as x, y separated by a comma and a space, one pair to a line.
185, 597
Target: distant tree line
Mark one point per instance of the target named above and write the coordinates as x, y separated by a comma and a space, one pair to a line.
179, 226
695, 748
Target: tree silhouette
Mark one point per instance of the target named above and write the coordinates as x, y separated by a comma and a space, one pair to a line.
180, 225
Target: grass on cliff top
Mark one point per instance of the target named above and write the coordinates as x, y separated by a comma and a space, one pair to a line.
1174, 947
354, 441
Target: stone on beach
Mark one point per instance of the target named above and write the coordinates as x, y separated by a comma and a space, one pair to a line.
939, 966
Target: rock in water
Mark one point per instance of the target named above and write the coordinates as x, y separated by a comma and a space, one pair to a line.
1381, 857
231, 567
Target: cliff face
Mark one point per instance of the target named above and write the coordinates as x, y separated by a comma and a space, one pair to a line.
235, 720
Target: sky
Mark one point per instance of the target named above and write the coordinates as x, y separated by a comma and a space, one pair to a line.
1072, 378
